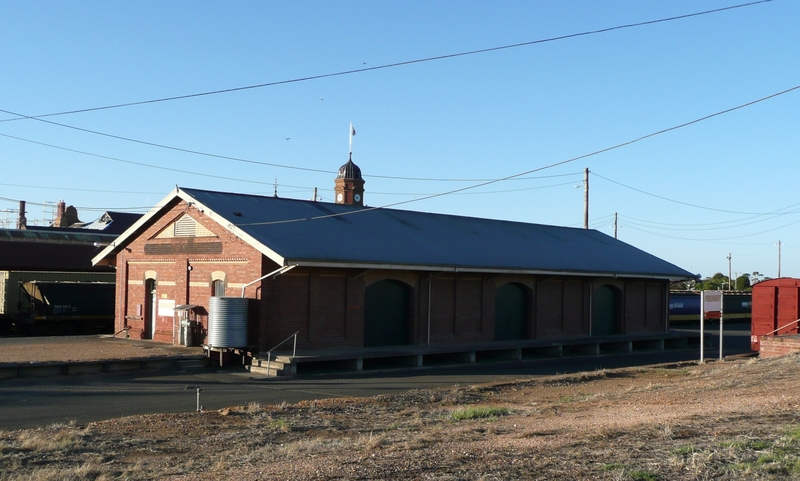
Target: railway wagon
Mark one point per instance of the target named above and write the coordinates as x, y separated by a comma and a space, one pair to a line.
776, 309
684, 306
65, 307
12, 298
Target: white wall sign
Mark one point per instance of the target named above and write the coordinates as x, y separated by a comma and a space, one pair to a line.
712, 301
166, 307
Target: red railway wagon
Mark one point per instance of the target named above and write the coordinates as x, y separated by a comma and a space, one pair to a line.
776, 309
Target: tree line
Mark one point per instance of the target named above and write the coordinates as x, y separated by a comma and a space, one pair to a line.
720, 282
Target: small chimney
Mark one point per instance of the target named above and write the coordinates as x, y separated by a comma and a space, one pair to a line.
66, 216
22, 222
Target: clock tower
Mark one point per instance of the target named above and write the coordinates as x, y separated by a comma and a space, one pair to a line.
349, 187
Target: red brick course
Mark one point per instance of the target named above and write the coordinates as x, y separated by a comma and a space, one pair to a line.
776, 346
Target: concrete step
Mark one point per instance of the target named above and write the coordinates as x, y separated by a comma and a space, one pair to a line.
281, 366
284, 358
265, 372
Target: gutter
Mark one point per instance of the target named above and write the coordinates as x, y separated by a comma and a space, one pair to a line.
485, 270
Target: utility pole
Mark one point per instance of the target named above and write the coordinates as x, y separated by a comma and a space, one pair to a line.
779, 259
615, 225
729, 272
586, 198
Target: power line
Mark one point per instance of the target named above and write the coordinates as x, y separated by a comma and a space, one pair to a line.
162, 146
235, 159
481, 184
116, 159
400, 64
655, 224
243, 180
82, 190
697, 229
596, 223
693, 122
555, 164
46, 204
717, 238
142, 164
482, 192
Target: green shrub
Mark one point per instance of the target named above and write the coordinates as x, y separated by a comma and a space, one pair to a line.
478, 413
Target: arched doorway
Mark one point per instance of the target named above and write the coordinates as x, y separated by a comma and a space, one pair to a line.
150, 308
510, 312
218, 288
606, 311
386, 314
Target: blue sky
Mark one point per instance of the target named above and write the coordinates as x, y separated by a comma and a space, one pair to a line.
692, 196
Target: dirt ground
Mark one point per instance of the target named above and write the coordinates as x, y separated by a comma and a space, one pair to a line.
722, 420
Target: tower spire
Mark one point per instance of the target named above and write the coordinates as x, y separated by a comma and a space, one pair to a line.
349, 185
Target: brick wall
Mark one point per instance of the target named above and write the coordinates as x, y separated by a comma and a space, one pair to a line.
645, 307
182, 268
776, 346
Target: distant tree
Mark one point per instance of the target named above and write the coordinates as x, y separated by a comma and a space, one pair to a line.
743, 283
717, 282
682, 285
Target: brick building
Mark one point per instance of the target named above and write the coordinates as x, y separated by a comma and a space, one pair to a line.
346, 275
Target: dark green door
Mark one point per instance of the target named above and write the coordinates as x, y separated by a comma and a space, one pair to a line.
510, 312
386, 314
606, 311
150, 308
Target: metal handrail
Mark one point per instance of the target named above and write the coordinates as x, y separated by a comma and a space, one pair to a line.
275, 273
294, 349
778, 329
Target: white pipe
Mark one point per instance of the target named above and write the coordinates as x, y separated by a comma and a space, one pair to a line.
274, 273
429, 309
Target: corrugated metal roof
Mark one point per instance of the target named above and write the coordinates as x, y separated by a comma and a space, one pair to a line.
318, 233
49, 250
54, 235
114, 223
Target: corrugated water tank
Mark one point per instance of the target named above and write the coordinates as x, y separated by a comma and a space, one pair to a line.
227, 322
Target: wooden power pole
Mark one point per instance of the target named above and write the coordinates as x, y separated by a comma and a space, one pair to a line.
586, 198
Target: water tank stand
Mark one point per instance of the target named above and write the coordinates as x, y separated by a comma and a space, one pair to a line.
244, 352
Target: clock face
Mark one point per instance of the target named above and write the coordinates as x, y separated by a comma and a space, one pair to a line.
339, 197
357, 197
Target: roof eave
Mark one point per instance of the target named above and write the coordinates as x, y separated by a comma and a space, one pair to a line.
105, 257
240, 233
477, 270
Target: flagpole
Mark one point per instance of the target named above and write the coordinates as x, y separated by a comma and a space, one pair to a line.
351, 138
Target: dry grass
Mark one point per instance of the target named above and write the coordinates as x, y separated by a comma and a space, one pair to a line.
732, 420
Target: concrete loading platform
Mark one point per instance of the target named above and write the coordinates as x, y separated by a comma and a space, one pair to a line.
282, 363
76, 355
